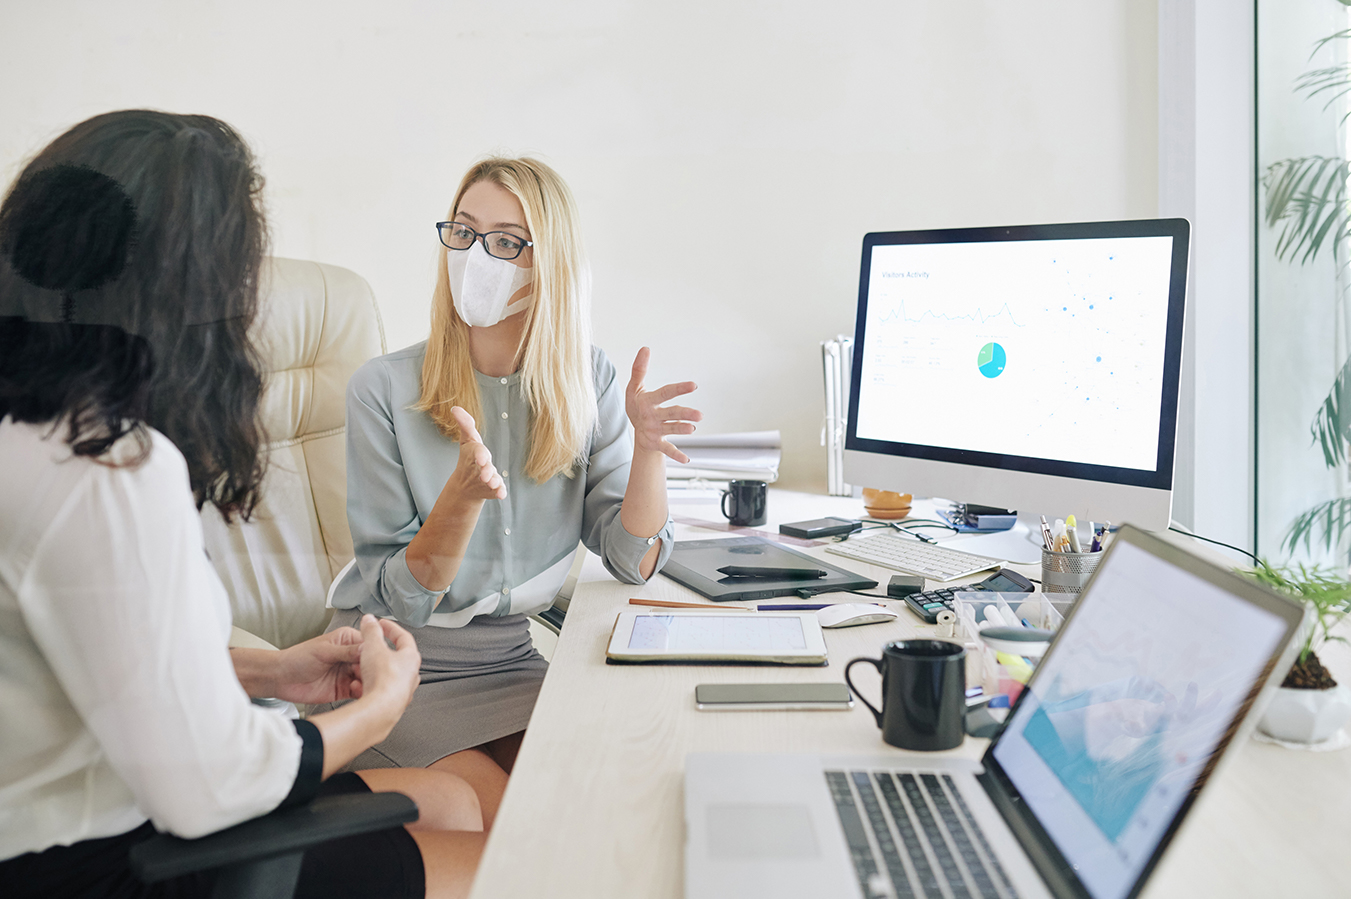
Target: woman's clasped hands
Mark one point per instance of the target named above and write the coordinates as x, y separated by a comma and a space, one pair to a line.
348, 664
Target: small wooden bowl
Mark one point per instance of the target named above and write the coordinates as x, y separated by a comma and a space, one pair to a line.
887, 514
887, 505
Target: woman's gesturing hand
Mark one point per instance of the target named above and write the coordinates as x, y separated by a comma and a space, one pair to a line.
475, 476
653, 422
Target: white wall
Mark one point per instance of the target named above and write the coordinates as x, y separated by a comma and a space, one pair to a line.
1206, 175
727, 156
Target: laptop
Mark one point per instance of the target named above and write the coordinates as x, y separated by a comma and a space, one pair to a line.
1151, 678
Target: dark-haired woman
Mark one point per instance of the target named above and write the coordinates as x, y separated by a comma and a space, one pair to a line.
128, 398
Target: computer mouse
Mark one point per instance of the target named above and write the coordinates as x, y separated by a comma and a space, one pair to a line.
849, 614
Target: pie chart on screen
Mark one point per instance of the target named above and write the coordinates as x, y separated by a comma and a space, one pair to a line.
991, 360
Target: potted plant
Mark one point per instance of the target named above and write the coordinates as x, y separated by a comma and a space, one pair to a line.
1310, 705
1306, 198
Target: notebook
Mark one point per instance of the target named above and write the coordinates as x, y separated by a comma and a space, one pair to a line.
1152, 677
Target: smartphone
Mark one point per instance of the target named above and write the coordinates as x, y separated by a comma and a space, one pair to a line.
821, 527
746, 697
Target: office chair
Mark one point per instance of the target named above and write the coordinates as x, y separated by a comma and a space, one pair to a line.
317, 324
260, 859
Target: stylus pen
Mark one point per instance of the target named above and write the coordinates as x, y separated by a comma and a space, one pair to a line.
806, 606
778, 574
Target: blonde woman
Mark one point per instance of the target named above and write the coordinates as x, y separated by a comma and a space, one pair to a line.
478, 459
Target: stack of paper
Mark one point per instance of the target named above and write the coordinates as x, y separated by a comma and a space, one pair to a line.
837, 357
750, 455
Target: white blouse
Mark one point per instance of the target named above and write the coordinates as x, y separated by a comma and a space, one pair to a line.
118, 699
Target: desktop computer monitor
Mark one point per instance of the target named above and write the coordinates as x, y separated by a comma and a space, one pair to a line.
1033, 368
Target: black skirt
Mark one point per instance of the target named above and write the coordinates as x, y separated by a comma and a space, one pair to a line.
383, 863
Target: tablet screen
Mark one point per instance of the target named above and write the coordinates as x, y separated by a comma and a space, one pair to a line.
721, 633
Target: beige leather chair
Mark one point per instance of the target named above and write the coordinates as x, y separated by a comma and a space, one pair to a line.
317, 324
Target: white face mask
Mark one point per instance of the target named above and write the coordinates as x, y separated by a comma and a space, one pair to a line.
481, 286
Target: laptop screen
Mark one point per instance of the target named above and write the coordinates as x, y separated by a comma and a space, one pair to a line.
1125, 713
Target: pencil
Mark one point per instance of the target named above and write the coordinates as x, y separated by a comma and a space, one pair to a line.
666, 604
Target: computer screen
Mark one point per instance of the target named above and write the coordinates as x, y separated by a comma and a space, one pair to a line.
1125, 716
1033, 367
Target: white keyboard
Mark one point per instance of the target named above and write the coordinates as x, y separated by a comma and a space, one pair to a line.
937, 563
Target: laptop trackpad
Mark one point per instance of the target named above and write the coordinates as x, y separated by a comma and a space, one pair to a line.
761, 831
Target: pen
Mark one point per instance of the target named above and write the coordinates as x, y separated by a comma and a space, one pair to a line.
1073, 533
784, 574
806, 606
666, 604
1046, 535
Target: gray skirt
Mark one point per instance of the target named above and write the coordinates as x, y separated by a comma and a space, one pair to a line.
479, 683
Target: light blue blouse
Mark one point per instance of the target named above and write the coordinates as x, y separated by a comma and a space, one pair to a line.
523, 546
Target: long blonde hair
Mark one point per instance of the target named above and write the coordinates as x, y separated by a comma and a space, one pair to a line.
554, 358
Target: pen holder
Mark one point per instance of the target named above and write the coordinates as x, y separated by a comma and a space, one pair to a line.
1067, 572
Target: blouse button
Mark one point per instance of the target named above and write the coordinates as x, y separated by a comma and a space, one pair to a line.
506, 590
504, 415
507, 531
651, 540
504, 380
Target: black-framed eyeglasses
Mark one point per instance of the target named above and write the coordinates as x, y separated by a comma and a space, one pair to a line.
501, 244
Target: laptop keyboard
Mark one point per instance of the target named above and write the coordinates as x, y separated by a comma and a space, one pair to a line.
911, 836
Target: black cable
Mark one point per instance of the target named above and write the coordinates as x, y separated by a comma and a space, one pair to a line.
808, 593
1217, 543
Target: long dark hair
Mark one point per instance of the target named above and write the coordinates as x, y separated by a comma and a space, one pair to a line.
149, 327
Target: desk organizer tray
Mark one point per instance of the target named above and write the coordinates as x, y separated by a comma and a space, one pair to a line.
1004, 679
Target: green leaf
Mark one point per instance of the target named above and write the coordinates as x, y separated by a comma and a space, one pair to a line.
1328, 595
1340, 35
1306, 197
1334, 82
1331, 427
1331, 519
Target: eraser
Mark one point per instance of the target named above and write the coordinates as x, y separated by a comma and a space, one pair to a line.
905, 584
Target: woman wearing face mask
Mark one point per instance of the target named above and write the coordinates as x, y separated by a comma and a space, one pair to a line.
478, 459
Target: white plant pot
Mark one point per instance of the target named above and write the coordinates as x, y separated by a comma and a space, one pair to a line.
1306, 716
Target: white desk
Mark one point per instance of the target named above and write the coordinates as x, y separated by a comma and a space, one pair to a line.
595, 806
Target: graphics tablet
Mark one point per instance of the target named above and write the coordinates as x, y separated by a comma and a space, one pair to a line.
695, 564
778, 638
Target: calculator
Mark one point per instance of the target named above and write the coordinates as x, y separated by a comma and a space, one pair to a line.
927, 605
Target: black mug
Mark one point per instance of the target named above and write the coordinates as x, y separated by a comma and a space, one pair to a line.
923, 694
748, 500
